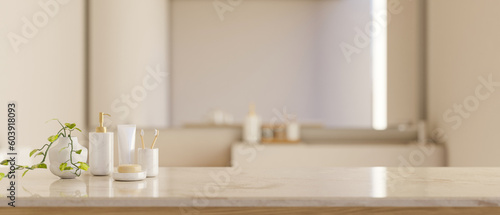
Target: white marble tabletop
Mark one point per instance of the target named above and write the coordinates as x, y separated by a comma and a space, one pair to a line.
297, 187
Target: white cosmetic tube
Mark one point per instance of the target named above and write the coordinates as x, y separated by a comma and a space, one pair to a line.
126, 144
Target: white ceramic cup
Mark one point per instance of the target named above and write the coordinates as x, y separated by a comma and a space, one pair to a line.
148, 159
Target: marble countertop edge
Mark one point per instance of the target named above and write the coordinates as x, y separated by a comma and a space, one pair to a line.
253, 202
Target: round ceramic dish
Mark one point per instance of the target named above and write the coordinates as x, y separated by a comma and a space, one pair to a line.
129, 176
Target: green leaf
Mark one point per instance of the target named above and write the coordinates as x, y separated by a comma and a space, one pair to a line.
33, 152
68, 168
83, 166
62, 166
24, 173
53, 138
63, 149
79, 151
78, 129
5, 162
41, 166
51, 120
70, 126
1, 175
32, 167
39, 153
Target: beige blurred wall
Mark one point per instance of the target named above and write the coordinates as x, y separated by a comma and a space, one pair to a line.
46, 77
463, 45
405, 62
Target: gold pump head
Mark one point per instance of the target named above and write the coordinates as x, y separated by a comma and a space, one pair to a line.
101, 128
251, 109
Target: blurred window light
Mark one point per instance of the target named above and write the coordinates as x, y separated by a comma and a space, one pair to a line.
379, 67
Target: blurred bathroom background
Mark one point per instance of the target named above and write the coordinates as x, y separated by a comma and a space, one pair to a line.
371, 82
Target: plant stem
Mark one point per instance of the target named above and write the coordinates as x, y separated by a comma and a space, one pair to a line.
49, 145
71, 156
60, 132
47, 151
40, 149
63, 128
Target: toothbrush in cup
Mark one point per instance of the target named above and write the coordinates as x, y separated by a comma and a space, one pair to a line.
157, 133
142, 139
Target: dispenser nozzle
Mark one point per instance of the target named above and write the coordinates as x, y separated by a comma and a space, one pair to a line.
251, 109
101, 128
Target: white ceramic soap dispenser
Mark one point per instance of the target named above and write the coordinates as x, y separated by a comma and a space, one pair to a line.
101, 149
252, 127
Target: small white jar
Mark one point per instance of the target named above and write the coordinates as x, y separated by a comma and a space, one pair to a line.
293, 131
148, 159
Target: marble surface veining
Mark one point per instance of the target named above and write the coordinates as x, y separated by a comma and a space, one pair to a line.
238, 187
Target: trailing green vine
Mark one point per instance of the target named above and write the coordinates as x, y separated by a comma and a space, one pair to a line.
65, 131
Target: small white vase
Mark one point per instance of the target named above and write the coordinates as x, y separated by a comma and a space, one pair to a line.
59, 154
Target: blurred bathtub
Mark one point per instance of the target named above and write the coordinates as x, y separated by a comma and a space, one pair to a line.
346, 154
